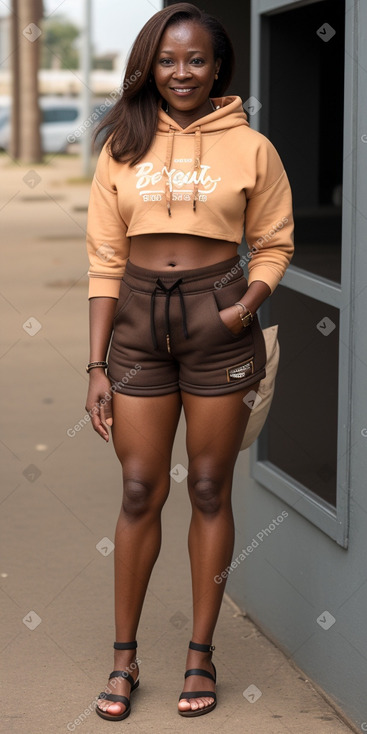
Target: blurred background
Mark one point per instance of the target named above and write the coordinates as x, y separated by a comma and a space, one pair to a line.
59, 61
301, 73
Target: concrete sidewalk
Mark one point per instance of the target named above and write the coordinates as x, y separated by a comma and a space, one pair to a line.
59, 502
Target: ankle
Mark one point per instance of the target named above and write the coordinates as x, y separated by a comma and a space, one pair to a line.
198, 659
202, 650
125, 660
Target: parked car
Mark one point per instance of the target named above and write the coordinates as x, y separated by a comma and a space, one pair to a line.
63, 123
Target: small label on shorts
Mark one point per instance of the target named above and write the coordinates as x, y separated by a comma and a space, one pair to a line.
237, 371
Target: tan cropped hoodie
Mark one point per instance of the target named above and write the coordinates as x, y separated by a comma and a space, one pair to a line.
216, 178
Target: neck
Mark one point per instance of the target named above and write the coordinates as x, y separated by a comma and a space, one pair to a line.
184, 119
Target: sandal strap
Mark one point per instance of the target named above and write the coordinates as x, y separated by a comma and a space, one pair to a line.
115, 698
199, 671
125, 645
201, 648
122, 674
198, 694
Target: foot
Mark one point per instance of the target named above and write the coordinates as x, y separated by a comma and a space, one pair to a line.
196, 659
123, 660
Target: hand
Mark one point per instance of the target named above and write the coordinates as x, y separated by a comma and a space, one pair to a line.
231, 318
99, 402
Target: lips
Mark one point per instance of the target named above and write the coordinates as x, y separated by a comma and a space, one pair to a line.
183, 90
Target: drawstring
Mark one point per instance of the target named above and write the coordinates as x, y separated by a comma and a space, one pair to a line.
168, 163
197, 167
171, 136
168, 292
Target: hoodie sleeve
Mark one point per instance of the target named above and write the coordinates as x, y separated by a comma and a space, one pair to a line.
107, 244
269, 222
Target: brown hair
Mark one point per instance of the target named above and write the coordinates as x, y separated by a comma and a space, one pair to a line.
131, 123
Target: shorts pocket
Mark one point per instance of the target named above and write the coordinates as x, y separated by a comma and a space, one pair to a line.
225, 297
125, 296
218, 320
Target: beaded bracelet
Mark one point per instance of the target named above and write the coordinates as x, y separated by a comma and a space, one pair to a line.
92, 365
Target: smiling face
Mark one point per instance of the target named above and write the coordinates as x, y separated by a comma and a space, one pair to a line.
184, 69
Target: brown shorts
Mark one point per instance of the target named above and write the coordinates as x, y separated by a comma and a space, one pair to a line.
168, 334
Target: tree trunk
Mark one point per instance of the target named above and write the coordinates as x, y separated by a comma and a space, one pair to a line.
29, 14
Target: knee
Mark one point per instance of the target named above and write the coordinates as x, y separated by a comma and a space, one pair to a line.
206, 494
141, 497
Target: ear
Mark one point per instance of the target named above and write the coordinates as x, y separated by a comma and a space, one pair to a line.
218, 64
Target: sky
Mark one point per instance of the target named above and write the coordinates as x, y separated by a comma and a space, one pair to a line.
115, 24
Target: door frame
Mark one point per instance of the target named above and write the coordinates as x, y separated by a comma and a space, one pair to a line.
332, 521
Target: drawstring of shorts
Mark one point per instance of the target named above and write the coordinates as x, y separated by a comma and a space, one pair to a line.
168, 292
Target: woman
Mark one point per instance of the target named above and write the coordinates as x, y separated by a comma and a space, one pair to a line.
179, 167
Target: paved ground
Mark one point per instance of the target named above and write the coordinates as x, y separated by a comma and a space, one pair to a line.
59, 501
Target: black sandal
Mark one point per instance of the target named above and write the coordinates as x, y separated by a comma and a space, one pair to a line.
112, 696
200, 694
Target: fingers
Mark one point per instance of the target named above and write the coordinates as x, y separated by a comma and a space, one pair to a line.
106, 410
231, 319
98, 423
99, 404
101, 417
105, 414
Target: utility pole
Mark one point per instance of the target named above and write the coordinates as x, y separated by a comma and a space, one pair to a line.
86, 90
15, 110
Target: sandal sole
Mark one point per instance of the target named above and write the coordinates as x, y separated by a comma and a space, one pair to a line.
198, 712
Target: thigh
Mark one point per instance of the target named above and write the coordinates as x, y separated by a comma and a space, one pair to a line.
215, 428
143, 432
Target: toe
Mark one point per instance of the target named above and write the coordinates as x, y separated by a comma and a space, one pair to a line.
201, 703
115, 709
184, 705
194, 704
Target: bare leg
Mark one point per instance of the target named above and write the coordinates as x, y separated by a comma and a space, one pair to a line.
215, 426
143, 434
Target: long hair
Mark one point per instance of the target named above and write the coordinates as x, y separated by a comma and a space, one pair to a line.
131, 123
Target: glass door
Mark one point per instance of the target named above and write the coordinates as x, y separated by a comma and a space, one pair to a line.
298, 75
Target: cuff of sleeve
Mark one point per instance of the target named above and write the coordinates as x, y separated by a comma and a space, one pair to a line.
105, 287
266, 274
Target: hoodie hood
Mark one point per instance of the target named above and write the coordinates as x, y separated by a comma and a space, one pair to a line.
228, 114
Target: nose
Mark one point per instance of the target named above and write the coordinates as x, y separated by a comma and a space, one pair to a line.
181, 71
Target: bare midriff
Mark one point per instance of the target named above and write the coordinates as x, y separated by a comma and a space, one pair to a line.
178, 251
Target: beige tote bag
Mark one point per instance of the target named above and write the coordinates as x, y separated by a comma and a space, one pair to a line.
261, 401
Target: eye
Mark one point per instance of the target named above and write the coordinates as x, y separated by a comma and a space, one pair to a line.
198, 61
165, 61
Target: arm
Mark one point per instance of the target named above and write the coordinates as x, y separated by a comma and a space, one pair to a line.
108, 250
269, 230
101, 314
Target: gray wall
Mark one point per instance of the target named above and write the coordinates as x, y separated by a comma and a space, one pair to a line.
297, 572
